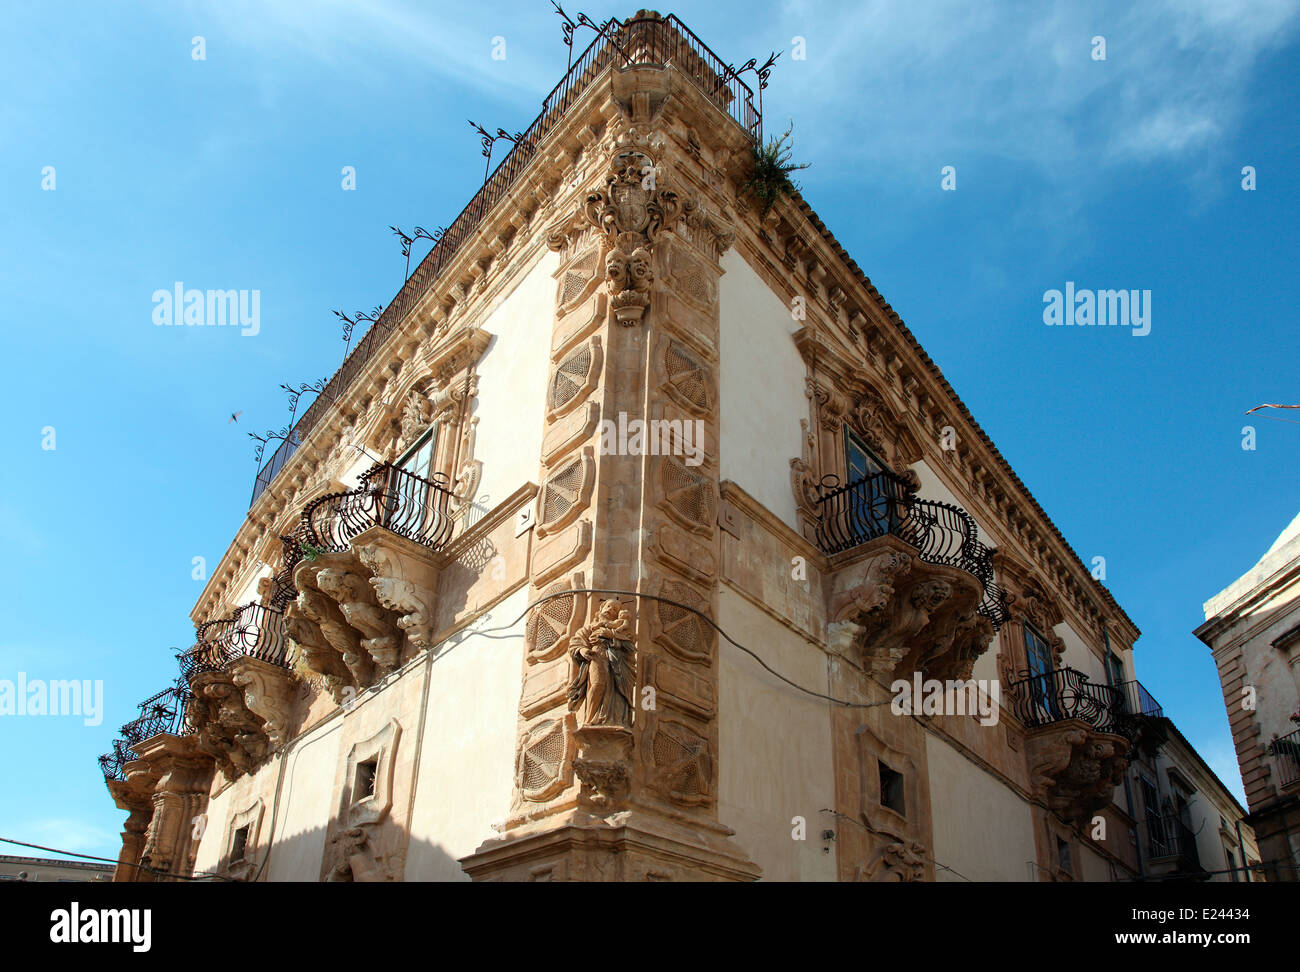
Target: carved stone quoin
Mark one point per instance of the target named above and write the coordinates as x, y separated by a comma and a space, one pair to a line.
630, 211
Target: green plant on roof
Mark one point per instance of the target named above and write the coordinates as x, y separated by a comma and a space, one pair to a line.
772, 168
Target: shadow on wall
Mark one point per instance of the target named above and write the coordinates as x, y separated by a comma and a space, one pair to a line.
340, 855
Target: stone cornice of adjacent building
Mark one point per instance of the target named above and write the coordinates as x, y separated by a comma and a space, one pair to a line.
1274, 573
463, 295
866, 328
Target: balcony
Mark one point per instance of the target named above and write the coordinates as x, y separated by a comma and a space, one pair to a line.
367, 575
911, 585
652, 41
885, 504
1285, 751
1171, 843
237, 671
388, 497
1079, 735
164, 712
254, 631
1145, 725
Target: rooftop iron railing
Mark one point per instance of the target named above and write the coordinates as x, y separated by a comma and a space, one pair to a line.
637, 41
884, 504
1285, 751
401, 502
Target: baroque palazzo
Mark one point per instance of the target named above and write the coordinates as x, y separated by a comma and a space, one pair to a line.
456, 638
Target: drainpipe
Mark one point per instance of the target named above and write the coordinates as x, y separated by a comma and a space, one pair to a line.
1241, 847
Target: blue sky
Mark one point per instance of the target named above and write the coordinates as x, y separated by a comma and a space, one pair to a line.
225, 173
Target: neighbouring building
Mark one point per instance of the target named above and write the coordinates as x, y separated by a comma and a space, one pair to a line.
473, 625
1253, 630
47, 869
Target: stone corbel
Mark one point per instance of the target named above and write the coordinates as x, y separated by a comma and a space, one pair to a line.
889, 636
1073, 768
313, 656
268, 694
227, 730
405, 579
325, 614
356, 599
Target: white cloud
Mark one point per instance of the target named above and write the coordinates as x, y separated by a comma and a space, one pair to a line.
945, 81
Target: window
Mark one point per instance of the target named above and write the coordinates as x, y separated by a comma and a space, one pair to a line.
363, 785
1042, 686
872, 506
1232, 861
1158, 840
1115, 669
419, 458
1063, 860
239, 845
891, 789
407, 498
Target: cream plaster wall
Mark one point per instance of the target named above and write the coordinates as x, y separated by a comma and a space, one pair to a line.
761, 388
466, 772
306, 800
774, 745
1079, 656
513, 373
208, 854
961, 792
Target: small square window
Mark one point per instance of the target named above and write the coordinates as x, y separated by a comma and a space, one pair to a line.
239, 845
363, 785
1063, 856
891, 790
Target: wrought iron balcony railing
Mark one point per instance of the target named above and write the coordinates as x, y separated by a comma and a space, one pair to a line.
255, 631
389, 497
113, 762
1065, 693
1285, 751
1138, 701
638, 41
282, 589
163, 712
883, 504
1168, 837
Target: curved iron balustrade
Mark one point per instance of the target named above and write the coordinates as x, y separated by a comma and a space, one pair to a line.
282, 590
638, 41
113, 763
389, 497
255, 630
163, 712
942, 533
1066, 693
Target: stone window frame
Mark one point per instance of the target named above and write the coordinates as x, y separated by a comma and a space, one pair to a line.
380, 747
880, 817
251, 818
